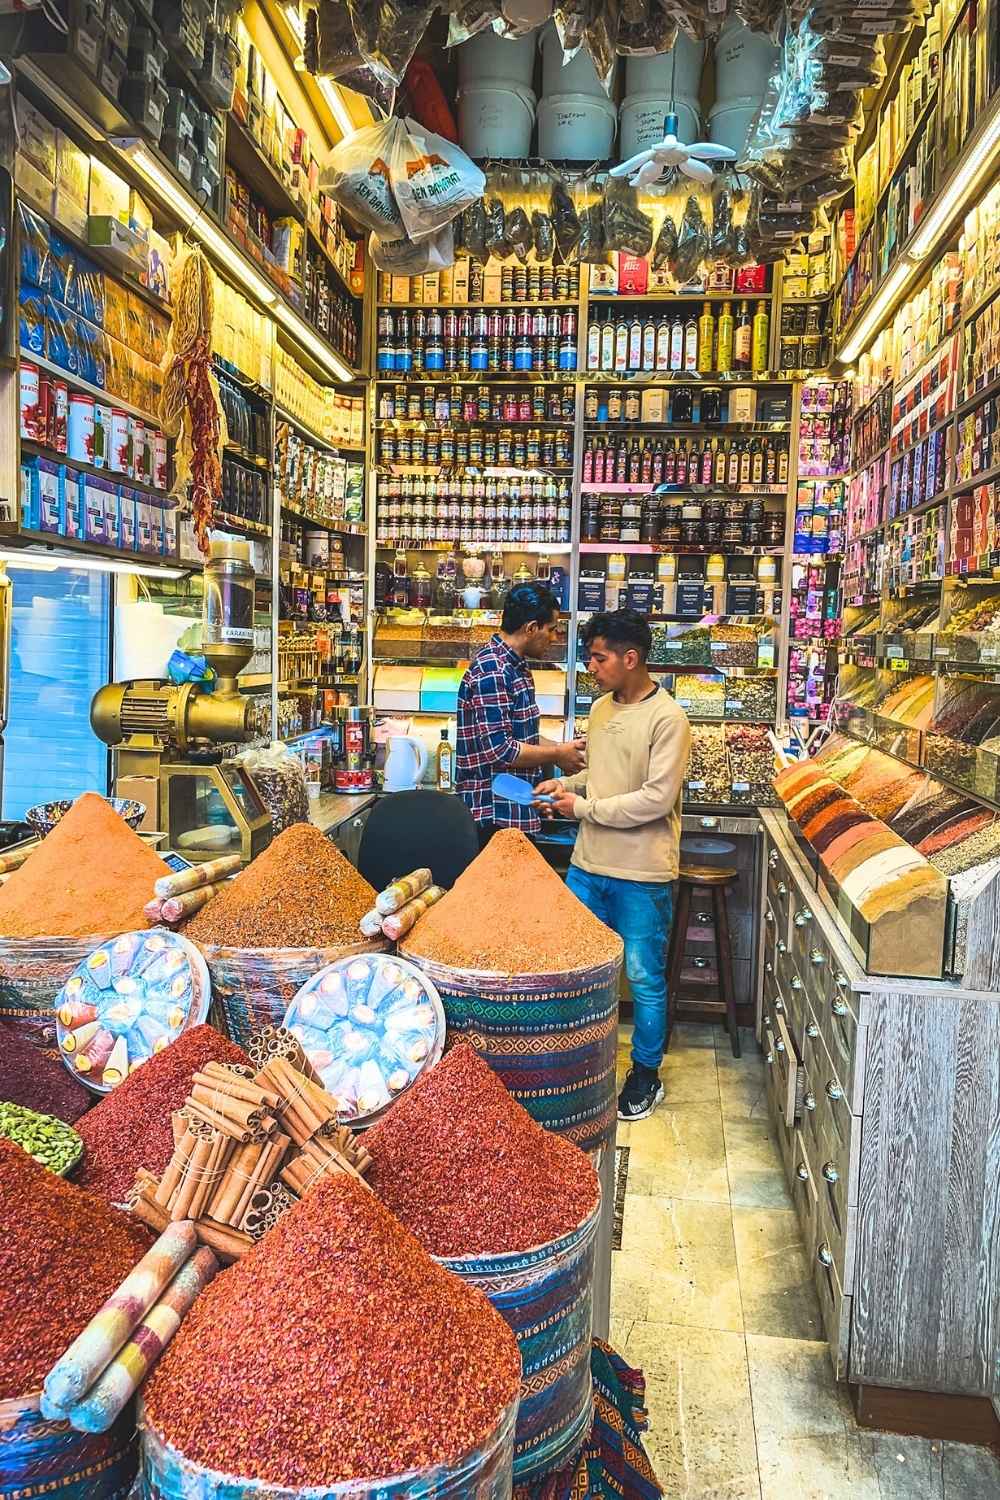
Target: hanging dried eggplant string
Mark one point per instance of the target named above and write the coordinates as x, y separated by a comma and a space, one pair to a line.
190, 410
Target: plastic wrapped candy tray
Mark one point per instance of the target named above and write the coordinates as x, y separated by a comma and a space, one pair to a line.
129, 998
370, 1026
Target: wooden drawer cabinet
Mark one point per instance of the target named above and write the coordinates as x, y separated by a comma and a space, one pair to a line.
802, 1186
834, 1306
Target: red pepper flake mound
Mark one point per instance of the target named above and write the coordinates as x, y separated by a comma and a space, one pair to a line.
510, 913
130, 1128
300, 893
91, 876
38, 1079
466, 1168
334, 1350
63, 1251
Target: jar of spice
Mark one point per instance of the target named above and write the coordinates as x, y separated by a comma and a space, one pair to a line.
631, 518
670, 524
650, 525
611, 519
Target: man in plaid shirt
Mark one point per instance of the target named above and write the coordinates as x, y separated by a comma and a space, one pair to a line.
498, 715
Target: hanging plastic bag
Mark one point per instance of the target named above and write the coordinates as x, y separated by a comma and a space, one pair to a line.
433, 180
626, 227
665, 248
571, 19
519, 233
331, 48
497, 243
468, 18
544, 235
565, 222
475, 232
359, 173
650, 36
389, 32
406, 257
693, 243
601, 39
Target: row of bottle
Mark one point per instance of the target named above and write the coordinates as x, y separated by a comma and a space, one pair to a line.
248, 424
450, 497
467, 342
687, 461
635, 340
444, 405
502, 449
512, 284
246, 493
694, 523
329, 310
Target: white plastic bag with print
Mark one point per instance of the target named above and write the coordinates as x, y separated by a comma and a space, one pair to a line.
433, 180
359, 174
406, 257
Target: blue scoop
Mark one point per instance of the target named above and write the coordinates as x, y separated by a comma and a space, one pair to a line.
516, 789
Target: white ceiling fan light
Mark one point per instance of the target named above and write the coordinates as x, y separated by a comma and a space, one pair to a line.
650, 166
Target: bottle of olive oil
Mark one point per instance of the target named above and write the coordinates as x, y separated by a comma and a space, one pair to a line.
706, 340
445, 764
724, 355
761, 339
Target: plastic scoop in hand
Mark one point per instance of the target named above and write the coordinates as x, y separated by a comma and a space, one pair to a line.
516, 789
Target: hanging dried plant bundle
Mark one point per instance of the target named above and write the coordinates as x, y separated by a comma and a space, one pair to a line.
190, 409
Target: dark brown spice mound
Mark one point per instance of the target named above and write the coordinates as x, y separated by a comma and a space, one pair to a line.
63, 1251
335, 1349
510, 913
38, 1079
300, 893
130, 1128
466, 1168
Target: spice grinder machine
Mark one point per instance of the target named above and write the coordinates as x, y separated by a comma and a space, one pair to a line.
168, 737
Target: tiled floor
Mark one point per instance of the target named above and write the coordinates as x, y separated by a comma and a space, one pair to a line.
711, 1296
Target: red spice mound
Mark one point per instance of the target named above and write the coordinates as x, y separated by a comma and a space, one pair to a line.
130, 1128
510, 913
469, 1171
300, 893
38, 1079
62, 1253
91, 876
335, 1349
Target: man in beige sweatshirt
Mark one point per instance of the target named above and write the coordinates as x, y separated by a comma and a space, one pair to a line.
628, 804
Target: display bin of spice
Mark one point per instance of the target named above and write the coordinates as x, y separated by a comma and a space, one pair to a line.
42, 1457
733, 644
530, 978
752, 697
690, 649
701, 694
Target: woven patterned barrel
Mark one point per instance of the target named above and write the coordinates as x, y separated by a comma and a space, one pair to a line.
545, 1295
552, 1038
32, 972
39, 1457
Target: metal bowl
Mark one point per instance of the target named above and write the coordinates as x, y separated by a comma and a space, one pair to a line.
46, 815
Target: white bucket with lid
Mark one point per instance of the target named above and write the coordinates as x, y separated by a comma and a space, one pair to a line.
655, 75
576, 127
577, 77
642, 120
495, 119
487, 58
744, 61
729, 124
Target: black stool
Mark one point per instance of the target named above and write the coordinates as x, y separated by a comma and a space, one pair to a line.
717, 881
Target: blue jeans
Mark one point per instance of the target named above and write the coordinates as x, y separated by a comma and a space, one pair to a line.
641, 912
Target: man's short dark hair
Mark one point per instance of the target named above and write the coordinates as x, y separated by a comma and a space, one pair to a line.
528, 603
621, 629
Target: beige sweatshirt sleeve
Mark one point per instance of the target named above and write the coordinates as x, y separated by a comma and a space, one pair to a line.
657, 797
575, 783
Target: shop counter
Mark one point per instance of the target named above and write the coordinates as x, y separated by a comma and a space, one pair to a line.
342, 818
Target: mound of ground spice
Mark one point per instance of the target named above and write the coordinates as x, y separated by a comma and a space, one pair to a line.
130, 1128
466, 1168
37, 1079
341, 1349
300, 893
91, 876
63, 1251
510, 913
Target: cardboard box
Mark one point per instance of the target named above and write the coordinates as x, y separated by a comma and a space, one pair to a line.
742, 404
72, 502
633, 273
492, 284
397, 688
36, 139
399, 289
146, 791
550, 691
460, 279
72, 186
604, 279
655, 406
109, 194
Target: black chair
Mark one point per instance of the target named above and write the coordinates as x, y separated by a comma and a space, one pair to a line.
406, 830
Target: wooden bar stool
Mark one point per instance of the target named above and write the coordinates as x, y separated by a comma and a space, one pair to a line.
717, 881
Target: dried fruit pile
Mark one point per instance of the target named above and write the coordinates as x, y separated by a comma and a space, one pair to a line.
510, 913
62, 1252
130, 1128
466, 1168
344, 1350
300, 893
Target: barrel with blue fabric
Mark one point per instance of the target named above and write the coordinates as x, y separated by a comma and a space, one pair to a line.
41, 1457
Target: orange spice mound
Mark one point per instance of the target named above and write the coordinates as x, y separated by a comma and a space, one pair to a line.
91, 876
510, 913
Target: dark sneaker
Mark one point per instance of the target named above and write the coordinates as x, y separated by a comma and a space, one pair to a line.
641, 1093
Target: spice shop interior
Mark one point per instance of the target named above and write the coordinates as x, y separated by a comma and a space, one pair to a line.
500, 749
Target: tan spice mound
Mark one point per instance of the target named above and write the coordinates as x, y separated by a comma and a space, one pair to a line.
91, 876
510, 913
300, 893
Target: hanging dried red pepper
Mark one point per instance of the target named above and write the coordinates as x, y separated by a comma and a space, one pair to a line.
189, 407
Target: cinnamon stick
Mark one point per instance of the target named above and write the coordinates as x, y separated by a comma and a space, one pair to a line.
262, 1175
214, 1076
238, 1172
194, 1172
175, 1168
194, 1109
221, 1148
229, 1243
240, 1111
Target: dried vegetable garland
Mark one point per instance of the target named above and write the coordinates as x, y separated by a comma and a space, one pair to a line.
190, 409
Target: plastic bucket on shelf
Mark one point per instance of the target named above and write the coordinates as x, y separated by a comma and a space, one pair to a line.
253, 987
744, 61
642, 118
485, 1474
657, 75
729, 124
495, 120
32, 972
545, 1295
575, 77
576, 127
552, 1038
39, 1457
487, 58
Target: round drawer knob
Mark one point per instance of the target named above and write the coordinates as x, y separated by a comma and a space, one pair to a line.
803, 916
834, 1091
779, 1045
812, 1030
781, 946
824, 1255
802, 1172
817, 956
841, 979
796, 982
809, 1102
838, 1007
768, 915
782, 888
830, 1172
772, 860
769, 967
779, 1005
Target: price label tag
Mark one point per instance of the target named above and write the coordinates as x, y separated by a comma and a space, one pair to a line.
696, 786
734, 705
741, 786
683, 702
718, 645
989, 653
673, 645
898, 664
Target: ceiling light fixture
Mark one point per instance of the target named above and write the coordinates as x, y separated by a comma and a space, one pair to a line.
44, 562
965, 180
878, 310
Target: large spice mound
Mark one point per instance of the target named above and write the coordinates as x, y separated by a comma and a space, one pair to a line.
91, 876
466, 1168
341, 1349
300, 893
37, 1080
130, 1128
62, 1253
510, 913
